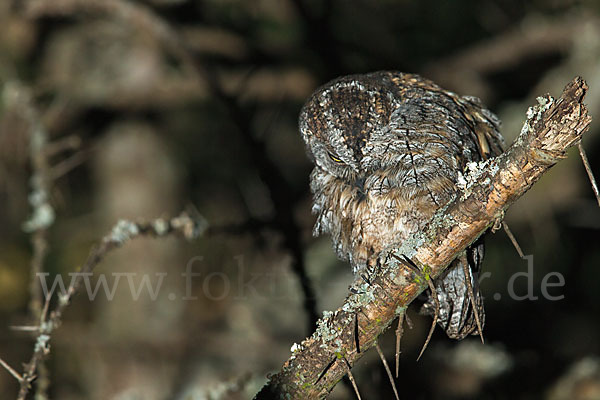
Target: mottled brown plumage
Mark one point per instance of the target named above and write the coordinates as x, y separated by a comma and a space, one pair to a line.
388, 149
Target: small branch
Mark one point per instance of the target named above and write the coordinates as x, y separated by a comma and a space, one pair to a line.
513, 240
42, 214
387, 370
552, 126
351, 377
190, 227
399, 331
61, 145
68, 164
10, 370
588, 169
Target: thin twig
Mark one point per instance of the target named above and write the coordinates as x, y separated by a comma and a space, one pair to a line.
588, 169
467, 273
351, 377
399, 331
42, 212
71, 142
513, 239
435, 315
25, 328
39, 241
387, 370
11, 370
42, 382
68, 164
412, 265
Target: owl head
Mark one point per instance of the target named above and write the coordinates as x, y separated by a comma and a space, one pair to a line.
339, 121
351, 127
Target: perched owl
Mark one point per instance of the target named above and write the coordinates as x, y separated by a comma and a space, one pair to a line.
388, 148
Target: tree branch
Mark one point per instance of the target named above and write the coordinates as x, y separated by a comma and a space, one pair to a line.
188, 226
487, 190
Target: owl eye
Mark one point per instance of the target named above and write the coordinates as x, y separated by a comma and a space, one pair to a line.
335, 159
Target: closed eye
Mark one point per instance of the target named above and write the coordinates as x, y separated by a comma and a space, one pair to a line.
335, 159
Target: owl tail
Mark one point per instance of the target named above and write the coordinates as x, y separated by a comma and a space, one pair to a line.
459, 312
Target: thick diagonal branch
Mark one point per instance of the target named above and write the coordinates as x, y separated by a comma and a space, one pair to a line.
487, 190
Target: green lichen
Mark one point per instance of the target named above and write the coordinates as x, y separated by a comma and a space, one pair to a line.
534, 114
123, 231
329, 332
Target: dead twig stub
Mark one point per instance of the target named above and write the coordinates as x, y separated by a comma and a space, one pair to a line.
399, 331
552, 126
513, 240
588, 169
387, 370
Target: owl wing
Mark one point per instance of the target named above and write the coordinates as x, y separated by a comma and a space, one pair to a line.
486, 126
457, 316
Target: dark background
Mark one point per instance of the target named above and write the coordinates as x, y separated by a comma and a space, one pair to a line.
171, 103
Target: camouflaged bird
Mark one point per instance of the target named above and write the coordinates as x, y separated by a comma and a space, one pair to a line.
388, 148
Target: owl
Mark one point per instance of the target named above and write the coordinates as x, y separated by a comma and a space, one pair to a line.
388, 149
